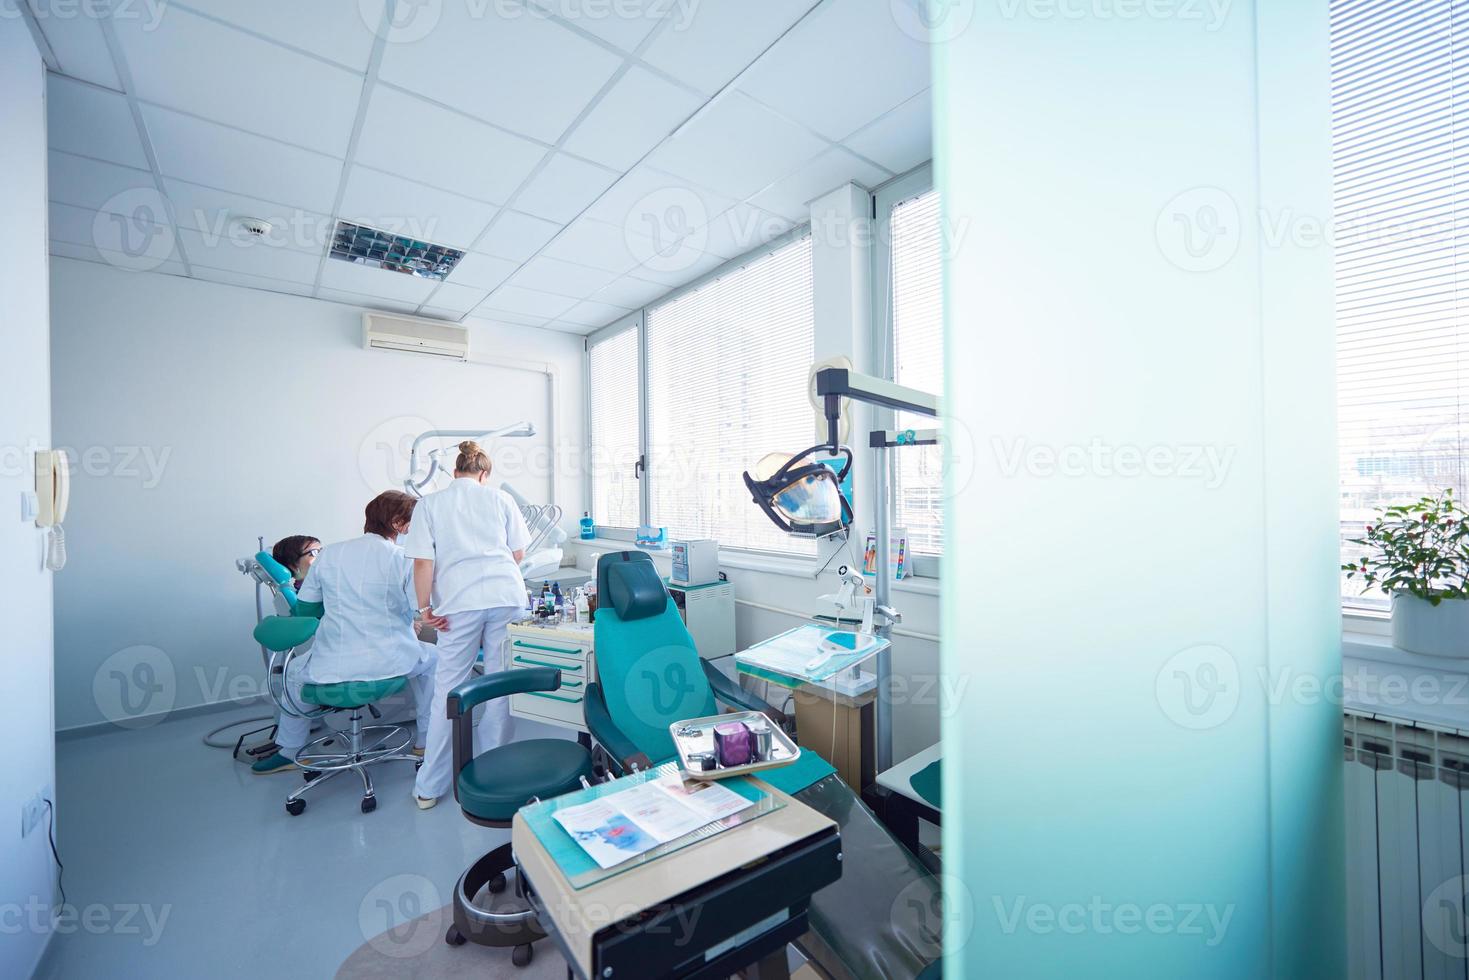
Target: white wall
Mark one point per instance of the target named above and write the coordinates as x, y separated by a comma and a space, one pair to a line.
1142, 780
26, 724
204, 415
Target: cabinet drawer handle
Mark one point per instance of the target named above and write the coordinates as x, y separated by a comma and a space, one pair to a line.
539, 694
537, 646
574, 668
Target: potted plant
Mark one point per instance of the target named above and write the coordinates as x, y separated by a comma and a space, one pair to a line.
1419, 554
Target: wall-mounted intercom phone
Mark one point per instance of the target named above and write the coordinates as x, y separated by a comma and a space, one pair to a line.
53, 493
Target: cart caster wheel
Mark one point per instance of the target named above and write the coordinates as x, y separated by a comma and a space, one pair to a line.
496, 885
312, 775
369, 804
522, 955
454, 937
296, 807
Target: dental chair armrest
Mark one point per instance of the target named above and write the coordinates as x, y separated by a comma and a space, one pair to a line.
476, 691
624, 754
729, 692
315, 610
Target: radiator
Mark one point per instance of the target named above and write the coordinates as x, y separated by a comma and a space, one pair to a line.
1407, 837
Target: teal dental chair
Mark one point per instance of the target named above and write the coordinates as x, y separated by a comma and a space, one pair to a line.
288, 637
881, 919
490, 787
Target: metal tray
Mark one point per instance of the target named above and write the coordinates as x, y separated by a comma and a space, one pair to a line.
697, 735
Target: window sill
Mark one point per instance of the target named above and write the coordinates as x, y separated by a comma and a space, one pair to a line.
1381, 681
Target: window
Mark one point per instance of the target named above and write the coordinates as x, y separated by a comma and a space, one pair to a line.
1399, 179
612, 376
727, 366
916, 270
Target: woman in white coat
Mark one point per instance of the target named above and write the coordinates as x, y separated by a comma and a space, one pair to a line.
466, 544
366, 633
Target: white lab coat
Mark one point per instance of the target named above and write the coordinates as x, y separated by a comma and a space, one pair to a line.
471, 532
367, 632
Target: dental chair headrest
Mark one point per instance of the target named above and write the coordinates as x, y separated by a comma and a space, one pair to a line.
629, 583
273, 568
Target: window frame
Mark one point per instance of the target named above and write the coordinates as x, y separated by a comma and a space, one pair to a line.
633, 321
637, 320
904, 187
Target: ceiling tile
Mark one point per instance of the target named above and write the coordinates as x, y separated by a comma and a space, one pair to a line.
742, 228
251, 282
405, 135
790, 195
563, 188
657, 205
200, 66
841, 67
676, 266
218, 156
94, 122
405, 207
214, 212
249, 258
457, 300
499, 62
168, 264
485, 312
629, 292
550, 275
709, 42
99, 186
484, 272
516, 236
632, 118
365, 301
349, 277
736, 146
588, 241
439, 313
590, 313
341, 32
145, 231
81, 50
528, 302
624, 23
900, 140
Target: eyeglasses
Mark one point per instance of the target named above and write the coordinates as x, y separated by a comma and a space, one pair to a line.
313, 552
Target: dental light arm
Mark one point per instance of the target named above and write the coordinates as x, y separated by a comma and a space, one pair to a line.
518, 430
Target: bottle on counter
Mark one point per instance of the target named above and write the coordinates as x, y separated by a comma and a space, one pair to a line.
583, 608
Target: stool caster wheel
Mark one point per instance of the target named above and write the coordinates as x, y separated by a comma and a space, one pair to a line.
454, 937
522, 954
311, 775
418, 765
296, 807
496, 885
369, 804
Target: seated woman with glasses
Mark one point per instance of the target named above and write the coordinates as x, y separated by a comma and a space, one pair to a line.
296, 554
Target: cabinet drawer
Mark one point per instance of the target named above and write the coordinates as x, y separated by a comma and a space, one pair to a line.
562, 707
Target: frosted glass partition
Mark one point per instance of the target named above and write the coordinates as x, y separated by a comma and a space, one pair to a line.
1142, 775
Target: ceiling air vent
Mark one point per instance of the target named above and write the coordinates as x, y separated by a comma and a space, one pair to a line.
396, 253
381, 332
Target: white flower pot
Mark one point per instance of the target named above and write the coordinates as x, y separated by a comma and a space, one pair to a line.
1419, 626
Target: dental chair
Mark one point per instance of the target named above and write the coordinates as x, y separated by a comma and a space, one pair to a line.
287, 638
879, 920
489, 788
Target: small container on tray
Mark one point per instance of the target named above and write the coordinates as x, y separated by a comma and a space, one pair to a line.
703, 752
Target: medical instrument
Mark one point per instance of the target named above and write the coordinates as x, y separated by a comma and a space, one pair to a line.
801, 494
415, 485
695, 562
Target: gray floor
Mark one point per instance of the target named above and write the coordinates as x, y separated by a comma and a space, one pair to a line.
181, 863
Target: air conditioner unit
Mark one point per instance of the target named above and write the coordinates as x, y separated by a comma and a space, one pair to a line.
380, 332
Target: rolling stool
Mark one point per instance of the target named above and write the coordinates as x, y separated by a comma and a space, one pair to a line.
490, 788
390, 743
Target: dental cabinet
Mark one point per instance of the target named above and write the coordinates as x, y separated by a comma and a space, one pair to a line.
564, 646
